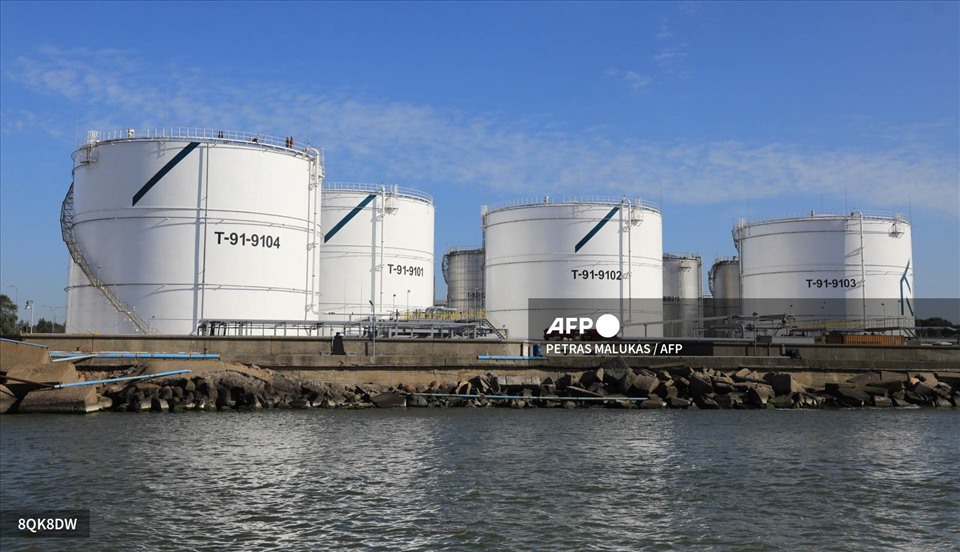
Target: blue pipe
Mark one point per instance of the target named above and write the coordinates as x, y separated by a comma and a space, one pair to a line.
158, 356
495, 357
127, 378
543, 398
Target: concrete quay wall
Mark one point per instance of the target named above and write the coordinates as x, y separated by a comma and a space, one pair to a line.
445, 360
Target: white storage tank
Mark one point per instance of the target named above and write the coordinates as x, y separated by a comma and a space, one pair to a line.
169, 227
463, 273
377, 247
856, 267
603, 254
682, 293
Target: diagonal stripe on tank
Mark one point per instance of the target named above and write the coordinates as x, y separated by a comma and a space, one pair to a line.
596, 229
163, 172
353, 212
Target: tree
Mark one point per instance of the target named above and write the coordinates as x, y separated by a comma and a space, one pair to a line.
47, 326
938, 327
8, 316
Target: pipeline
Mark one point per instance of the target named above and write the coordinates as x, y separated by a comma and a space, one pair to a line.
530, 398
508, 357
154, 356
4, 376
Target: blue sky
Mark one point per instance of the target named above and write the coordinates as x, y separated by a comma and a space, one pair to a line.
716, 108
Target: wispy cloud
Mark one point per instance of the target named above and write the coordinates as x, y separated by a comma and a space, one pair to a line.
672, 60
664, 31
634, 80
377, 140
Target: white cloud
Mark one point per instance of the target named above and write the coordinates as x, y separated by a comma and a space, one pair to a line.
671, 60
635, 81
376, 140
664, 31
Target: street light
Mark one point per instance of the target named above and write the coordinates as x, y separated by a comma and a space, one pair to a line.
54, 309
899, 317
374, 311
395, 303
29, 306
884, 317
408, 302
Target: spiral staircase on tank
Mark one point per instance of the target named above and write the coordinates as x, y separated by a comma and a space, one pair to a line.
76, 253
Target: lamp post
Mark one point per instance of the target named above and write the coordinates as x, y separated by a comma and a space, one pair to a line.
884, 317
395, 303
374, 334
899, 317
54, 309
29, 306
408, 302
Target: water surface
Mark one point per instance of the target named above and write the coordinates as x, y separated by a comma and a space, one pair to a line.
491, 479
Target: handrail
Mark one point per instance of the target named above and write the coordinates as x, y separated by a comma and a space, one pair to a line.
409, 193
814, 215
76, 253
573, 200
207, 134
682, 256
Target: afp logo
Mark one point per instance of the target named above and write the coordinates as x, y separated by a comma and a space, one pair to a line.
607, 325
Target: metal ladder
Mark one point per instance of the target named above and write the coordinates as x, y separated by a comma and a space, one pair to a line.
487, 322
70, 238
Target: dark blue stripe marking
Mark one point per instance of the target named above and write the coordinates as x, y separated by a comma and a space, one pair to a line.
596, 228
333, 231
163, 172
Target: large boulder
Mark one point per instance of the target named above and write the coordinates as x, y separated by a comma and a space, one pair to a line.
589, 377
783, 383
758, 395
389, 400
644, 384
653, 403
851, 396
700, 386
7, 399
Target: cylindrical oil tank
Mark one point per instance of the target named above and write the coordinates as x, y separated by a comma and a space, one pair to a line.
377, 247
682, 293
574, 258
855, 267
172, 226
724, 284
463, 273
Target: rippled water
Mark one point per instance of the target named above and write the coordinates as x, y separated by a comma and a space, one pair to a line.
466, 479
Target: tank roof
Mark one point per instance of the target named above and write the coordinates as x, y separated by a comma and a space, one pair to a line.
464, 249
250, 139
813, 215
578, 200
390, 189
682, 256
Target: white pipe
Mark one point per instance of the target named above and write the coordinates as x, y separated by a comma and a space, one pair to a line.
620, 233
863, 273
314, 256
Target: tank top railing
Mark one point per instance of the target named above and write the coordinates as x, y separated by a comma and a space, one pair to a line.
575, 200
187, 133
854, 213
376, 188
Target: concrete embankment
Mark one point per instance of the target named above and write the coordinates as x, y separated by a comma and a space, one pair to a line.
357, 382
